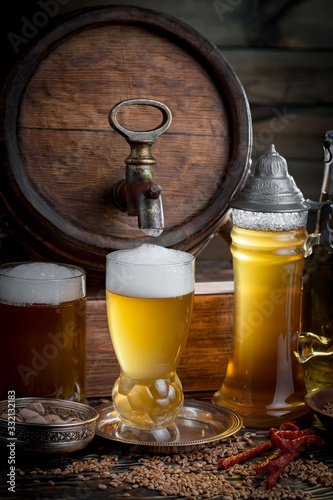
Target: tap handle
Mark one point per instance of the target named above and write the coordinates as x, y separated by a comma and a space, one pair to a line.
148, 135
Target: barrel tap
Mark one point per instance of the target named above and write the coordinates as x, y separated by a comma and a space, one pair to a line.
138, 194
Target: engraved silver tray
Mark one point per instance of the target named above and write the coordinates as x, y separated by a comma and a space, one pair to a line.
50, 438
200, 424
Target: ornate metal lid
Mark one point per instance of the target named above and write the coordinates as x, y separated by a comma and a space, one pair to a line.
270, 188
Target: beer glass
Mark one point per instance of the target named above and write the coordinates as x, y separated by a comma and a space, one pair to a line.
43, 335
317, 310
149, 296
264, 382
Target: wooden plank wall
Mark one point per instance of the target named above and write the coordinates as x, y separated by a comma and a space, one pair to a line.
281, 51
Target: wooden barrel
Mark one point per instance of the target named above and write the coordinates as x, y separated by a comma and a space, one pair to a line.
61, 159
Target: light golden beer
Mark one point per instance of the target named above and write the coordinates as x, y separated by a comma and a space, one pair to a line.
43, 315
149, 307
264, 381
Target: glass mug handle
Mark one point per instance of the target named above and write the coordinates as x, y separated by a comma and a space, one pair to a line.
310, 345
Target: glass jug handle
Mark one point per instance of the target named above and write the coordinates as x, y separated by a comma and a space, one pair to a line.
310, 345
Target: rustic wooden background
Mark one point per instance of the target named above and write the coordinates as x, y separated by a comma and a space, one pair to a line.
281, 51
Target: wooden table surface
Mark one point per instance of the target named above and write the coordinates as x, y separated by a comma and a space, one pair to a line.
36, 477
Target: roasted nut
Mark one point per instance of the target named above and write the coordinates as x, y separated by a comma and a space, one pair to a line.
37, 407
26, 413
35, 413
37, 419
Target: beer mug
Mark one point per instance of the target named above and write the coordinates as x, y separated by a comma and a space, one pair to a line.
317, 310
43, 316
149, 296
264, 381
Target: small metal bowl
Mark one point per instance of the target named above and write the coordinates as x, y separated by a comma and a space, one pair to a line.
315, 400
49, 438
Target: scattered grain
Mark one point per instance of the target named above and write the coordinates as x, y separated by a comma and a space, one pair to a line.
328, 408
194, 475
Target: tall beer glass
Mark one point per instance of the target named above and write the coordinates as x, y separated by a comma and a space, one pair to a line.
264, 382
149, 293
43, 335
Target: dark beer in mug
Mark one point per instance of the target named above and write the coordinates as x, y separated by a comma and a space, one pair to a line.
43, 315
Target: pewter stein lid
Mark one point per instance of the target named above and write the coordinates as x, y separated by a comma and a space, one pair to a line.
270, 188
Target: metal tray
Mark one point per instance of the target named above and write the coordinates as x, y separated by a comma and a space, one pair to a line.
200, 423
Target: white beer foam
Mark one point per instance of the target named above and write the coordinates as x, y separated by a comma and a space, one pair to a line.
40, 283
269, 221
150, 271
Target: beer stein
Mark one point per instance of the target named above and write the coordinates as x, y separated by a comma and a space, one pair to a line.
149, 297
43, 315
264, 381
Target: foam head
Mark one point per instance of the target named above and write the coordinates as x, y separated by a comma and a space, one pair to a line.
269, 221
150, 271
41, 283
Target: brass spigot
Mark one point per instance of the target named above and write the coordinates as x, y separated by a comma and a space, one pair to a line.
138, 194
